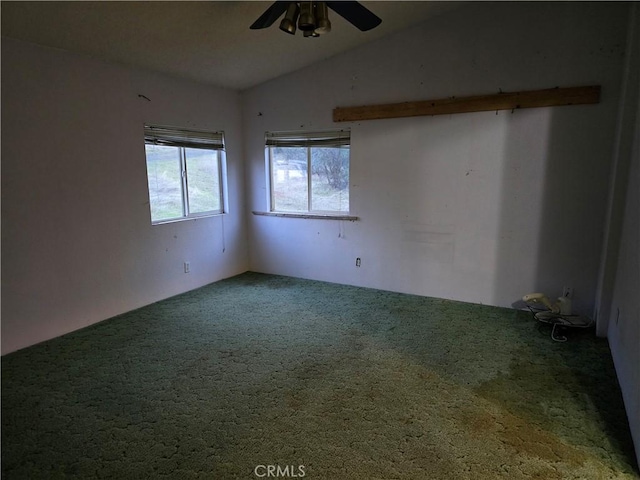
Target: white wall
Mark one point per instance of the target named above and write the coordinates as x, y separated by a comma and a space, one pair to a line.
624, 318
479, 207
77, 243
624, 326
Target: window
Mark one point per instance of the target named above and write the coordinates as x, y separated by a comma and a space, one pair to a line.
309, 172
184, 173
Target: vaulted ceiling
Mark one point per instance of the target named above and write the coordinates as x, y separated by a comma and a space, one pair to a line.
205, 41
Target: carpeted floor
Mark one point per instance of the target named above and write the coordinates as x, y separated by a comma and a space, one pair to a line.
260, 374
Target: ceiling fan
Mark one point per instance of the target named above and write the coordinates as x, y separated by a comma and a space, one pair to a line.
312, 18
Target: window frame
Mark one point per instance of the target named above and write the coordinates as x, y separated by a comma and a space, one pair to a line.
308, 140
184, 139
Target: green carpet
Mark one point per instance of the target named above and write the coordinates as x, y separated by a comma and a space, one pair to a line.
316, 379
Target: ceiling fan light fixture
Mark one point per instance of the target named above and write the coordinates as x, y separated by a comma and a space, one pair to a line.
307, 20
323, 25
313, 16
288, 23
310, 33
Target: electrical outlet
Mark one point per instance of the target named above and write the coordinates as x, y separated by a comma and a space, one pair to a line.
187, 267
567, 292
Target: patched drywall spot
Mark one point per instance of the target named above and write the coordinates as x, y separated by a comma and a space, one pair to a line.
434, 242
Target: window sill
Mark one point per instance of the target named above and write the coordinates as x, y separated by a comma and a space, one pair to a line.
186, 219
315, 216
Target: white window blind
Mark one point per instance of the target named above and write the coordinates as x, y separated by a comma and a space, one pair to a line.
334, 138
179, 137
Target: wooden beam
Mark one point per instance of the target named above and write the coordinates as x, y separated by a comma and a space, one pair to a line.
550, 97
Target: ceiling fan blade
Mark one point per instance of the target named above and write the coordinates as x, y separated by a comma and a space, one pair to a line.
356, 14
270, 15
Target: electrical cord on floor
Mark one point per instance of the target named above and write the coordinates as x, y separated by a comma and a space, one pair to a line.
557, 321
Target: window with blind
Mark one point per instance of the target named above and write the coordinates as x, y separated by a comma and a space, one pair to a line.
309, 171
184, 173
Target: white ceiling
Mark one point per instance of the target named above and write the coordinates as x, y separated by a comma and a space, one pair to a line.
205, 41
